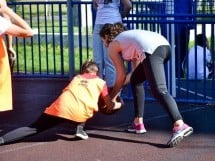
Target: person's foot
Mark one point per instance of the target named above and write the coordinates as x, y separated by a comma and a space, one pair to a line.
179, 133
80, 133
137, 128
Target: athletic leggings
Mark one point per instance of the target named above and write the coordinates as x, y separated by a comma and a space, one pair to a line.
152, 70
43, 123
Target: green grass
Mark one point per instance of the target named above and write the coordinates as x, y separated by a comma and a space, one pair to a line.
51, 59
40, 9
53, 21
42, 58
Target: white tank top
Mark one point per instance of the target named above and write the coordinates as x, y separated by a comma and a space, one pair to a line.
108, 12
135, 43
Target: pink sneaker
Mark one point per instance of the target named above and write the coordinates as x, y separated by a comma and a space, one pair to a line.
179, 133
139, 128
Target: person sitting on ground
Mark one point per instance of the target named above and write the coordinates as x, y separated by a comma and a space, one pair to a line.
199, 57
77, 103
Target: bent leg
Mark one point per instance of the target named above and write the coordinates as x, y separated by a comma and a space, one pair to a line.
137, 79
154, 71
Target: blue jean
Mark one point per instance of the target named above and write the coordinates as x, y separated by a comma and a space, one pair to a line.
100, 56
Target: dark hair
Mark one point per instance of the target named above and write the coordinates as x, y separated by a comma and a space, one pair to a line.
201, 40
111, 31
89, 66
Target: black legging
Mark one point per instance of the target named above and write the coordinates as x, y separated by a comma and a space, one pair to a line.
43, 123
152, 70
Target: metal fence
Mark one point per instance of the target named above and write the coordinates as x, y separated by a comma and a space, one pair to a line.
64, 40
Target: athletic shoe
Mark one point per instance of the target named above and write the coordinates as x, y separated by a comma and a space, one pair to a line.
139, 128
1, 141
179, 133
80, 133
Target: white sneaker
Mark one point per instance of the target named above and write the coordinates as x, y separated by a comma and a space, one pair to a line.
179, 133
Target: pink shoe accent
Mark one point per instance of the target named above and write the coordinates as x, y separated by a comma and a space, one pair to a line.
180, 128
138, 128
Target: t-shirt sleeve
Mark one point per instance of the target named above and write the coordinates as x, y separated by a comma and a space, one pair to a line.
104, 91
5, 24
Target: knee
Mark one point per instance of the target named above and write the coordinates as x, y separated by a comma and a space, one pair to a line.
160, 91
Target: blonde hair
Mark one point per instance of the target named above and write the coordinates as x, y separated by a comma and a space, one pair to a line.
89, 66
110, 31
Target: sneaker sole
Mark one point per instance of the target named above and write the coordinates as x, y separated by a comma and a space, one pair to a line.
81, 137
140, 131
180, 138
137, 131
129, 130
175, 141
189, 132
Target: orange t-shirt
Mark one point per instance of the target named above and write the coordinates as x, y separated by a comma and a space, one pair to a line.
5, 79
79, 99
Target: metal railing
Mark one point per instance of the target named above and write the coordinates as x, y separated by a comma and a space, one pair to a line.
64, 40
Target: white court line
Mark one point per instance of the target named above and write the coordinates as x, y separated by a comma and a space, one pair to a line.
195, 93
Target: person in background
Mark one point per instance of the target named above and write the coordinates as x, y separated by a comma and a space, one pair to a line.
16, 27
76, 104
199, 57
107, 11
9, 42
183, 11
147, 58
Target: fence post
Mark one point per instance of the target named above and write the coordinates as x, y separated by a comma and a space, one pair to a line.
171, 64
71, 47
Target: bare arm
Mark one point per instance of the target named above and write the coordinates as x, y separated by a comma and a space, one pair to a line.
114, 53
127, 5
19, 27
9, 38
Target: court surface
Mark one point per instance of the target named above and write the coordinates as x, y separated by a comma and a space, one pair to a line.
108, 139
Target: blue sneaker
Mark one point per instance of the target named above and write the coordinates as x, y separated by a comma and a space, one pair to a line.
179, 133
